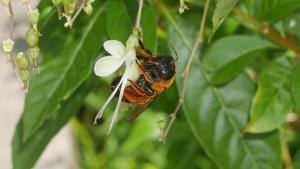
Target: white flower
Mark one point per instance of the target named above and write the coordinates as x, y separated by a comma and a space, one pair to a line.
105, 66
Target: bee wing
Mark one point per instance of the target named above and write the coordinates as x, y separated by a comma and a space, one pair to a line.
140, 109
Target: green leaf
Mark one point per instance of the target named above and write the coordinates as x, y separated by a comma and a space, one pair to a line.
60, 77
229, 55
292, 25
120, 17
295, 86
272, 10
272, 101
118, 24
223, 8
218, 115
26, 153
148, 24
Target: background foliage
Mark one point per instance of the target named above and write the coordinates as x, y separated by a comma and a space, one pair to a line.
243, 83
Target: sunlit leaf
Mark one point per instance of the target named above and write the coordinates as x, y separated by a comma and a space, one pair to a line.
272, 101
273, 10
228, 56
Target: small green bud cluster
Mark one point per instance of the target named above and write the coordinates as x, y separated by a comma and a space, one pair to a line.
32, 35
8, 46
71, 8
88, 8
33, 17
32, 39
23, 64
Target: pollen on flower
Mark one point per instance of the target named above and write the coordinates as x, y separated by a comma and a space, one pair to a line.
120, 55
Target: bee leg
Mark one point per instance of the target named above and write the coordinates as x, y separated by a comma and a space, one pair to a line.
143, 72
137, 88
143, 47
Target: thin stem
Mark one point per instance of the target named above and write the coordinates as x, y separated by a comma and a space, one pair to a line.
11, 33
268, 31
285, 154
138, 16
76, 14
196, 45
182, 6
11, 21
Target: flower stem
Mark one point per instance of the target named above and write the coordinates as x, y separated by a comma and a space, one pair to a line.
186, 72
138, 17
285, 154
268, 31
11, 21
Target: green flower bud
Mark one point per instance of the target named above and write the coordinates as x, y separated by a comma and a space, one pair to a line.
88, 8
33, 16
69, 2
57, 2
24, 75
8, 45
69, 9
22, 61
6, 2
32, 37
33, 53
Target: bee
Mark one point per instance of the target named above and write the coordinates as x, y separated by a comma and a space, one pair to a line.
157, 73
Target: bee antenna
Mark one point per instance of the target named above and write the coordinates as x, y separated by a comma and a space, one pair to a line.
175, 53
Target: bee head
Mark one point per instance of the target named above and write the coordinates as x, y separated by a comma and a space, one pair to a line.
166, 66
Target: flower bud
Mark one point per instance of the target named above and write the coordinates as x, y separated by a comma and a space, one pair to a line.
32, 37
69, 9
8, 45
33, 16
6, 2
56, 2
132, 41
88, 8
69, 6
33, 53
22, 61
24, 75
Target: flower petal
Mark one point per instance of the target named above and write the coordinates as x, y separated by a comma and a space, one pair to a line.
116, 112
134, 73
131, 55
114, 47
107, 65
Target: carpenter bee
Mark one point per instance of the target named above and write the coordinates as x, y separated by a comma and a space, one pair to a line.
157, 73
